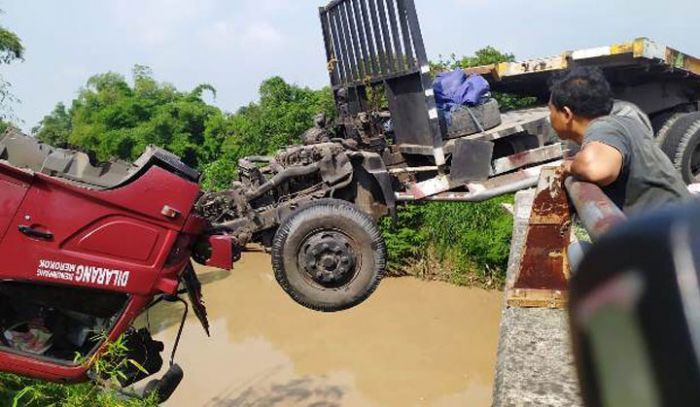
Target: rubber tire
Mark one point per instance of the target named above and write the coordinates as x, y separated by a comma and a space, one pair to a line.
337, 215
674, 124
488, 114
679, 138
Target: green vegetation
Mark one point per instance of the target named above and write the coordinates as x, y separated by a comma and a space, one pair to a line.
463, 243
11, 49
112, 118
100, 392
283, 113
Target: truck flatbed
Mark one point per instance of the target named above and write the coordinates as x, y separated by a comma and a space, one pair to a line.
628, 64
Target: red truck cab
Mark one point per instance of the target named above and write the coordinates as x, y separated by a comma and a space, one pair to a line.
85, 249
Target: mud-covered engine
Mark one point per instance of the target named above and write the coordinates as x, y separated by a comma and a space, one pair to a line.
269, 187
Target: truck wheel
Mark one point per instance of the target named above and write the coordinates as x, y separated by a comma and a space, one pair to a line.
680, 140
328, 256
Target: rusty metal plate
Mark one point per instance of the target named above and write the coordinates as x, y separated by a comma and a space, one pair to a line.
542, 277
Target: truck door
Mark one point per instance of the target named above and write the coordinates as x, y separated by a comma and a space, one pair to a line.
14, 184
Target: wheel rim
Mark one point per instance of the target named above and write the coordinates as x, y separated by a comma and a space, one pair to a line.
328, 258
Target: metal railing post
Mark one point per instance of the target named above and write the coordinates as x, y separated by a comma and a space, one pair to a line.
596, 211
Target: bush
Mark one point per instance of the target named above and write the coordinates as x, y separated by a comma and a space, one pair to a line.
100, 392
463, 243
20, 391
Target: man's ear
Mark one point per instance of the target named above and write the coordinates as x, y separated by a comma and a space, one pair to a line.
568, 114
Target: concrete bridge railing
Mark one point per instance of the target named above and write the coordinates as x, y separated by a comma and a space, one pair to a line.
535, 364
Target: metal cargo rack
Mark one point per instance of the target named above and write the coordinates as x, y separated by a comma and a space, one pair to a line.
378, 43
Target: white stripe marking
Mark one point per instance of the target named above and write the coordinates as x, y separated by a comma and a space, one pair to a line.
591, 53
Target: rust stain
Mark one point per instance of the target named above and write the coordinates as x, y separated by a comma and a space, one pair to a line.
550, 205
544, 259
519, 158
543, 263
599, 213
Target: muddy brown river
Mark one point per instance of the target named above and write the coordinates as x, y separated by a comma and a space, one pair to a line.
412, 343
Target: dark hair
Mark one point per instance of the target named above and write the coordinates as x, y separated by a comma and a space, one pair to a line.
584, 90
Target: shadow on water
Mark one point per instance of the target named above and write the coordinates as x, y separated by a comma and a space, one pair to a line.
213, 276
305, 391
166, 314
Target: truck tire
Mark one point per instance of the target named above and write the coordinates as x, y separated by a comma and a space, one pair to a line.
488, 115
328, 256
673, 124
679, 138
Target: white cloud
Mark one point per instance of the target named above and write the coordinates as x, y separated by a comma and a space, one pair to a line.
218, 36
261, 34
157, 22
269, 5
226, 35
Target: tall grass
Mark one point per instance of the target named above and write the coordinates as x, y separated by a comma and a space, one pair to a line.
102, 391
463, 243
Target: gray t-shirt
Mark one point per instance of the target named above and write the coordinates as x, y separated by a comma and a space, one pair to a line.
648, 179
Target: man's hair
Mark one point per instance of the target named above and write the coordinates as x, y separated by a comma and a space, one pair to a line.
584, 90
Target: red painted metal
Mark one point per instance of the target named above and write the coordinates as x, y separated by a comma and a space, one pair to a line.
115, 240
221, 251
13, 192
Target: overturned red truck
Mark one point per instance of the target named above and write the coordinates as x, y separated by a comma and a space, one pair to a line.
86, 249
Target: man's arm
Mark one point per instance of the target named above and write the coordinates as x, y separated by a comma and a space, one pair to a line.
597, 163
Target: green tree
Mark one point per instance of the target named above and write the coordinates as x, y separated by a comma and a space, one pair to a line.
112, 118
283, 113
11, 49
55, 127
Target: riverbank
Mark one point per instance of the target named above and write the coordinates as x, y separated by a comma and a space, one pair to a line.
462, 243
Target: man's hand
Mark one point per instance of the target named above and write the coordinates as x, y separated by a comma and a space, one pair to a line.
565, 168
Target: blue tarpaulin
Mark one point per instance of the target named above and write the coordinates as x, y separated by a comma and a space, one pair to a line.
454, 89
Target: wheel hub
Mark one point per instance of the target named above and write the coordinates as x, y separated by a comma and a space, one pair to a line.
328, 258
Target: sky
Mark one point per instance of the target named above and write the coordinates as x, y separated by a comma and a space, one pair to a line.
235, 44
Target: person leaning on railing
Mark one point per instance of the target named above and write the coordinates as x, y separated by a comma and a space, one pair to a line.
618, 151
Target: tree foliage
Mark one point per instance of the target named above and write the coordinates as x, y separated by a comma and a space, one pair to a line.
112, 118
11, 49
115, 118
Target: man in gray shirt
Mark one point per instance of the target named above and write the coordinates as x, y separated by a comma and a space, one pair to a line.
618, 151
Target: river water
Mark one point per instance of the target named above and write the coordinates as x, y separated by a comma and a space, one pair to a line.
412, 343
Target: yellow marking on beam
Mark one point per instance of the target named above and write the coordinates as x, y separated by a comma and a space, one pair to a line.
639, 46
625, 48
